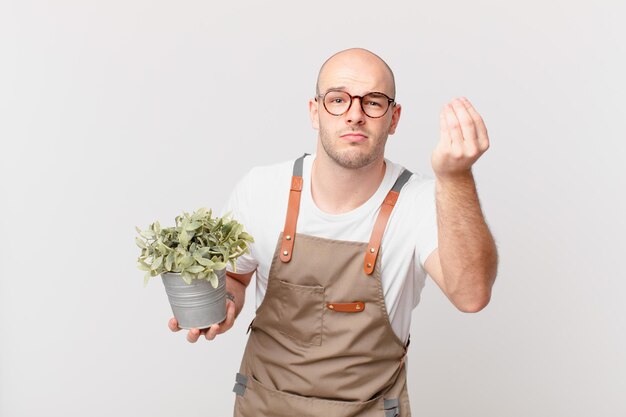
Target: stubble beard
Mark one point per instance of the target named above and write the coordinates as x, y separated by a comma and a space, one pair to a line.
353, 157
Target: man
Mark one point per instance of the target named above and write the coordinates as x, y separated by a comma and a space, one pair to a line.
356, 235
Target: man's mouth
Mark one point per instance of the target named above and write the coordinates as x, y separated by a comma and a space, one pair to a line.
353, 137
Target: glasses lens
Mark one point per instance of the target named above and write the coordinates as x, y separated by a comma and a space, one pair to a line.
375, 104
336, 102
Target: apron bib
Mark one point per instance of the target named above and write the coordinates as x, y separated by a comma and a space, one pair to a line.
321, 343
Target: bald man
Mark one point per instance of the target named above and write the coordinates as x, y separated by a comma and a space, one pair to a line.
344, 240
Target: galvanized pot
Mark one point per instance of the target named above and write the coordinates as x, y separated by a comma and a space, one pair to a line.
197, 305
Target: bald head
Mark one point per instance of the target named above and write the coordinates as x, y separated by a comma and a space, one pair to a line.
356, 62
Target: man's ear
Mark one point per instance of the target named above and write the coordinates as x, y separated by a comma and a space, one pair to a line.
313, 113
395, 118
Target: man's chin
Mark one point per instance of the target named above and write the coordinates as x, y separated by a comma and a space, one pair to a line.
353, 160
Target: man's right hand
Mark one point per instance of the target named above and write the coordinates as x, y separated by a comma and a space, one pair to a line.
235, 284
209, 333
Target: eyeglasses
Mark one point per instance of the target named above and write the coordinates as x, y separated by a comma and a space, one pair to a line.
374, 104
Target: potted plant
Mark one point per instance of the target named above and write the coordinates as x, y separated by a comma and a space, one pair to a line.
191, 258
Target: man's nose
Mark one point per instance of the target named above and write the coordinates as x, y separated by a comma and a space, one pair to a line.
354, 114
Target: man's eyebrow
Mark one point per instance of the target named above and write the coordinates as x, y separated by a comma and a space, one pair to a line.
342, 88
336, 88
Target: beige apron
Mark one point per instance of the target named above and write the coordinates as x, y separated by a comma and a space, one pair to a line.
321, 342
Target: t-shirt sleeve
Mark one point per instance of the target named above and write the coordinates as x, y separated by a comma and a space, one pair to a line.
238, 207
427, 238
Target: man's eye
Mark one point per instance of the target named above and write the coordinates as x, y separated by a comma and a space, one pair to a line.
337, 100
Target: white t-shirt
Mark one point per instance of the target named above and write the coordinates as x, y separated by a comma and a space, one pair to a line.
259, 202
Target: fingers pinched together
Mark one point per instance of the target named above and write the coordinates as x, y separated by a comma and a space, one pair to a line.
463, 138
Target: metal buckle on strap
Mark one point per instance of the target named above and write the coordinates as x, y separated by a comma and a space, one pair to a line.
240, 385
392, 407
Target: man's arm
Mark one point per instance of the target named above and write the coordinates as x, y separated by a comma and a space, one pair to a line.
236, 284
465, 263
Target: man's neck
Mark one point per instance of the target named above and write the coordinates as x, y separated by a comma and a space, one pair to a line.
337, 190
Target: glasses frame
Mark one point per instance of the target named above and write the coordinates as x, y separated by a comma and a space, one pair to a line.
389, 102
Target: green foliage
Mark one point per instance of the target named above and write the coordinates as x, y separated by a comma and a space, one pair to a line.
196, 247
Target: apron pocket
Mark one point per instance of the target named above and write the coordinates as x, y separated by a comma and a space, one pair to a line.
262, 401
300, 310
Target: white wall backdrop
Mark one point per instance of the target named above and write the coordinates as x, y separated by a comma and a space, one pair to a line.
118, 113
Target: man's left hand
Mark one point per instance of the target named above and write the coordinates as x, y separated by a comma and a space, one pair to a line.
463, 139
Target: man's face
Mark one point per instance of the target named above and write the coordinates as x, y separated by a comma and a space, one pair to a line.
354, 140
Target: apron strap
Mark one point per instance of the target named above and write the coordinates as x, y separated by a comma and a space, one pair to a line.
289, 232
381, 222
240, 385
293, 209
392, 407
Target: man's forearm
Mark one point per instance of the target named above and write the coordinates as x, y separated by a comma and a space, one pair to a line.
467, 251
238, 290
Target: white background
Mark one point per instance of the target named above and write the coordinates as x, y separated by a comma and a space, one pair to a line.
118, 113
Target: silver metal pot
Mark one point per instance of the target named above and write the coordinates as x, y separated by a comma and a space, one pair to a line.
197, 305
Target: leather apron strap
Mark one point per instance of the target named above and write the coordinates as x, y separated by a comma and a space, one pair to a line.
293, 209
382, 220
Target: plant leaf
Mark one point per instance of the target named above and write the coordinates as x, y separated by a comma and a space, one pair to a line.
169, 260
186, 261
146, 278
163, 248
148, 234
204, 262
157, 263
184, 238
195, 269
187, 277
246, 236
219, 266
202, 252
142, 265
213, 279
193, 226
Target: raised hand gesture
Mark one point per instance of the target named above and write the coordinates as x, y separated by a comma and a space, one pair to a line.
463, 139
